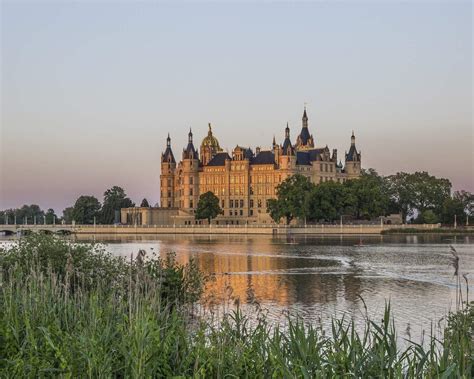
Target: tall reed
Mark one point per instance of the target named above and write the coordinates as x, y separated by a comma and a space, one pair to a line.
144, 328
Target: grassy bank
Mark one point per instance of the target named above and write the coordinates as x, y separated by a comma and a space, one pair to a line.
457, 231
75, 311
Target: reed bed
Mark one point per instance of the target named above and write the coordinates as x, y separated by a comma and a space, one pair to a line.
136, 320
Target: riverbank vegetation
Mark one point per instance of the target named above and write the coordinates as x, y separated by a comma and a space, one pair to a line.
72, 310
449, 231
420, 197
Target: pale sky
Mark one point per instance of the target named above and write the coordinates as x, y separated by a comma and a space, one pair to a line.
89, 90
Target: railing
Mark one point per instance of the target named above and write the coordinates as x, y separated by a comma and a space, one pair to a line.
227, 226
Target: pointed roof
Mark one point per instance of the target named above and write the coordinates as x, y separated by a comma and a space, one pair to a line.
353, 155
190, 152
167, 156
287, 146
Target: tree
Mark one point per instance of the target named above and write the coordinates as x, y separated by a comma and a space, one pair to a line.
86, 209
145, 204
459, 206
68, 215
417, 192
293, 197
328, 201
115, 198
208, 207
51, 216
367, 196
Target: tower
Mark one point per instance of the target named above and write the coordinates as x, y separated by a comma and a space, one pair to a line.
287, 159
190, 175
305, 139
168, 170
353, 160
209, 147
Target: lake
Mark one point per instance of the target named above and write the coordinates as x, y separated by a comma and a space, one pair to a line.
319, 277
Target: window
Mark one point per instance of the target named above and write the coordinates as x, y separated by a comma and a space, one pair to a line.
231, 203
259, 203
241, 212
251, 190
222, 203
169, 193
241, 203
190, 203
191, 180
169, 182
190, 192
251, 203
251, 212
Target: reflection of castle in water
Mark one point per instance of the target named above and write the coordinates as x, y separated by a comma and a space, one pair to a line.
270, 272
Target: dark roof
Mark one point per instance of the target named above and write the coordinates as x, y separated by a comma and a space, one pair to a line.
302, 158
287, 147
304, 114
315, 153
248, 153
304, 135
190, 152
218, 159
168, 156
352, 155
264, 157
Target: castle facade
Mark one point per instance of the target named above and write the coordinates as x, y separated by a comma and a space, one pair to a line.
245, 180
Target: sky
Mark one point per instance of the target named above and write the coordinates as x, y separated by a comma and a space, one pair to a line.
90, 90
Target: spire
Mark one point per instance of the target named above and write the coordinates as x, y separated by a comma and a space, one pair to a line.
287, 147
353, 139
305, 117
190, 136
274, 142
167, 156
210, 130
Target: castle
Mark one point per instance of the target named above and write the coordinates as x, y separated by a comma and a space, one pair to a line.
245, 181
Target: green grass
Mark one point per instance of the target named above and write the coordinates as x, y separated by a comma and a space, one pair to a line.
142, 325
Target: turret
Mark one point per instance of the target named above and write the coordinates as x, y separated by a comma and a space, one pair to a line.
305, 139
168, 168
353, 160
190, 176
287, 157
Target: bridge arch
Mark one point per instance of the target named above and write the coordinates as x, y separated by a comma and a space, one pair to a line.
7, 232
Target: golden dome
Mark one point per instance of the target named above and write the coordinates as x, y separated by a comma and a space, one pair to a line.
210, 141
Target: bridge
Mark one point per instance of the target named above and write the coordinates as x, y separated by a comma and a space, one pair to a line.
271, 229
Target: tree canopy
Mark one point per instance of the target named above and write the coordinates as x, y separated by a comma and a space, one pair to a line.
115, 198
85, 209
418, 194
207, 207
293, 196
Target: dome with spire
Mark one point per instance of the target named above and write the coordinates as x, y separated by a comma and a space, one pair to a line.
210, 141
